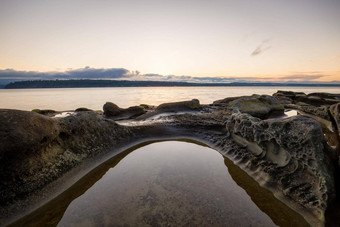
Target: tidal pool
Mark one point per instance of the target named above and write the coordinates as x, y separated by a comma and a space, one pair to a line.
169, 183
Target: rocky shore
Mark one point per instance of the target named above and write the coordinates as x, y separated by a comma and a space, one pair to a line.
297, 157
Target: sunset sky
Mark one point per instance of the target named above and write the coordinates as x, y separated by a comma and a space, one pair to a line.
266, 40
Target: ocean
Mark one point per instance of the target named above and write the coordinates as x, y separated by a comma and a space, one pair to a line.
61, 99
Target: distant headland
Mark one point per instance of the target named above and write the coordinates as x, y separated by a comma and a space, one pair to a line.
129, 83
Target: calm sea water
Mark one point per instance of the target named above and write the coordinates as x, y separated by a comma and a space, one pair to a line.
94, 98
172, 183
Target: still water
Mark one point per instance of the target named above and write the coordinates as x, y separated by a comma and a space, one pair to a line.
94, 98
172, 183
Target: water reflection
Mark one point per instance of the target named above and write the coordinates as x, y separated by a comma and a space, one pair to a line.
166, 183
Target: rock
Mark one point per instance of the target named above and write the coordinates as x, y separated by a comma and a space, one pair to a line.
335, 112
36, 150
321, 111
111, 109
23, 131
315, 99
287, 154
179, 106
114, 112
257, 106
173, 107
45, 112
82, 109
226, 101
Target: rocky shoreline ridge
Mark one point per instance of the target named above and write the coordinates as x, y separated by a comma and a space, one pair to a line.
296, 157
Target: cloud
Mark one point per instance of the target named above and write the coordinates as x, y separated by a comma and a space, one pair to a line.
82, 73
263, 46
336, 57
302, 77
9, 75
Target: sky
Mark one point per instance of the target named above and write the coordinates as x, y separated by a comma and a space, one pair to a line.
222, 40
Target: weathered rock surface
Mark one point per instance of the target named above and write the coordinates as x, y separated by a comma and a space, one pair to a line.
315, 99
36, 150
335, 112
287, 154
114, 112
321, 111
257, 106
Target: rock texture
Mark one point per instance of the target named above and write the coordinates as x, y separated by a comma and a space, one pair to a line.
321, 106
335, 113
260, 106
286, 154
315, 99
114, 112
23, 131
36, 150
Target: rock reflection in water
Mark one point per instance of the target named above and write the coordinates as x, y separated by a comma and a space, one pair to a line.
167, 183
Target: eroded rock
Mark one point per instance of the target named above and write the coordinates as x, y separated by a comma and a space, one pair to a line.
257, 106
290, 153
335, 112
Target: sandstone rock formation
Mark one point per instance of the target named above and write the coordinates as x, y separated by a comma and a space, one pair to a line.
286, 155
36, 150
260, 106
335, 113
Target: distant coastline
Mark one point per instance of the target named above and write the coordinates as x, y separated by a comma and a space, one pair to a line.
127, 83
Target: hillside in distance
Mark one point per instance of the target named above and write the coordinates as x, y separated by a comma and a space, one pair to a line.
127, 83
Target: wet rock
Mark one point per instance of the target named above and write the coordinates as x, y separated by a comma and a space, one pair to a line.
257, 106
287, 154
114, 112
